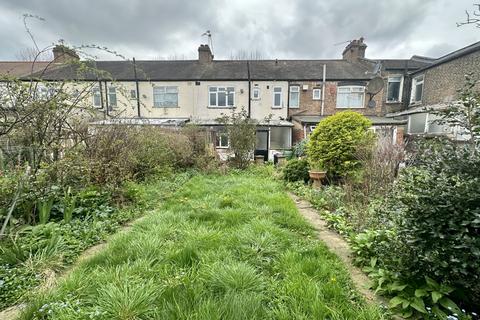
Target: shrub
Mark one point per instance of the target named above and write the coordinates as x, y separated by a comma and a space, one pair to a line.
296, 170
333, 143
437, 205
241, 134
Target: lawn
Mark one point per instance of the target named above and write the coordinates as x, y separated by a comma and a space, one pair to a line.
223, 247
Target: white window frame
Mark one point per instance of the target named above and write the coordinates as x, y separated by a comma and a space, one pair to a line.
319, 94
415, 82
112, 91
312, 128
96, 93
400, 91
280, 106
294, 89
218, 136
351, 90
257, 90
164, 88
225, 88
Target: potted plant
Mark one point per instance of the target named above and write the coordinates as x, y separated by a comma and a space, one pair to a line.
317, 174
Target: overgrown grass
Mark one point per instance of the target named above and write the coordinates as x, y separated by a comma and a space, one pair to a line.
222, 247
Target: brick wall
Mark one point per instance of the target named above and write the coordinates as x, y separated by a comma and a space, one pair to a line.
308, 106
442, 82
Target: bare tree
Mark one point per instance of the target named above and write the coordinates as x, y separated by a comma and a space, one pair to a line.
472, 17
246, 55
32, 54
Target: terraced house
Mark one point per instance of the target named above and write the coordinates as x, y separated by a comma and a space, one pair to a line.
287, 97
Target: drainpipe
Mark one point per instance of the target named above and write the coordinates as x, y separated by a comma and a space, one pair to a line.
249, 90
106, 97
304, 131
101, 98
323, 88
136, 87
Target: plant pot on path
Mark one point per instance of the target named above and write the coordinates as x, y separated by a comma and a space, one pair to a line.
317, 177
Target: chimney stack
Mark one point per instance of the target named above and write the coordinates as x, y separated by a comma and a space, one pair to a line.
205, 54
354, 50
63, 54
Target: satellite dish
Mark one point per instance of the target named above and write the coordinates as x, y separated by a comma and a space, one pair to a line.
375, 85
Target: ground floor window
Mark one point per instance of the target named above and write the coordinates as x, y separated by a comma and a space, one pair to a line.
280, 138
221, 140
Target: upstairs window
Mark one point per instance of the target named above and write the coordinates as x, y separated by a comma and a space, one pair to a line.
165, 97
417, 90
256, 93
133, 94
394, 89
277, 97
112, 96
317, 94
97, 97
350, 97
294, 97
221, 97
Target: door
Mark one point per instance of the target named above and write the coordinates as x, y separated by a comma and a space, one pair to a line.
261, 146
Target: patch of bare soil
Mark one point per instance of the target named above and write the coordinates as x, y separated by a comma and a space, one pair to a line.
339, 246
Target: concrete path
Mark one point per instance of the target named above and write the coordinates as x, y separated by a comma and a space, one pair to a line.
339, 246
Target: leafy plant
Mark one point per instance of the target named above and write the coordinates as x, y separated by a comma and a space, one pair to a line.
69, 202
44, 209
296, 170
333, 143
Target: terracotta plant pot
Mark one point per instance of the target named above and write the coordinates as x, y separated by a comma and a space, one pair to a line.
317, 177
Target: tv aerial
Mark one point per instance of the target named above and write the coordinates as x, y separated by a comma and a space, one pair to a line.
208, 34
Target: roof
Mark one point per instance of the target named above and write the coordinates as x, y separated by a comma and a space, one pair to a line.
419, 109
23, 68
309, 70
376, 121
415, 62
474, 47
193, 70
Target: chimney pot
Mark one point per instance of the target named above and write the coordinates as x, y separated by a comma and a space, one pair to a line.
63, 54
354, 50
205, 54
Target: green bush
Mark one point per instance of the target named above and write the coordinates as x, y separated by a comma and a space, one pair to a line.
436, 206
296, 170
333, 143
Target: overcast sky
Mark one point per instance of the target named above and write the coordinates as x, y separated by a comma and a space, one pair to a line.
152, 29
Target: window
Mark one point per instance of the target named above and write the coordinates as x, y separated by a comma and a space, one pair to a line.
317, 94
294, 96
165, 97
394, 89
97, 97
133, 94
112, 96
350, 97
312, 128
277, 97
417, 90
280, 138
256, 93
417, 123
221, 97
221, 140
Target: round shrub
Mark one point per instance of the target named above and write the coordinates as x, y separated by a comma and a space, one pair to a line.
333, 143
296, 170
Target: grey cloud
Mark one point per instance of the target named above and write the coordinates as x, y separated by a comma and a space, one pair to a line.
277, 28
